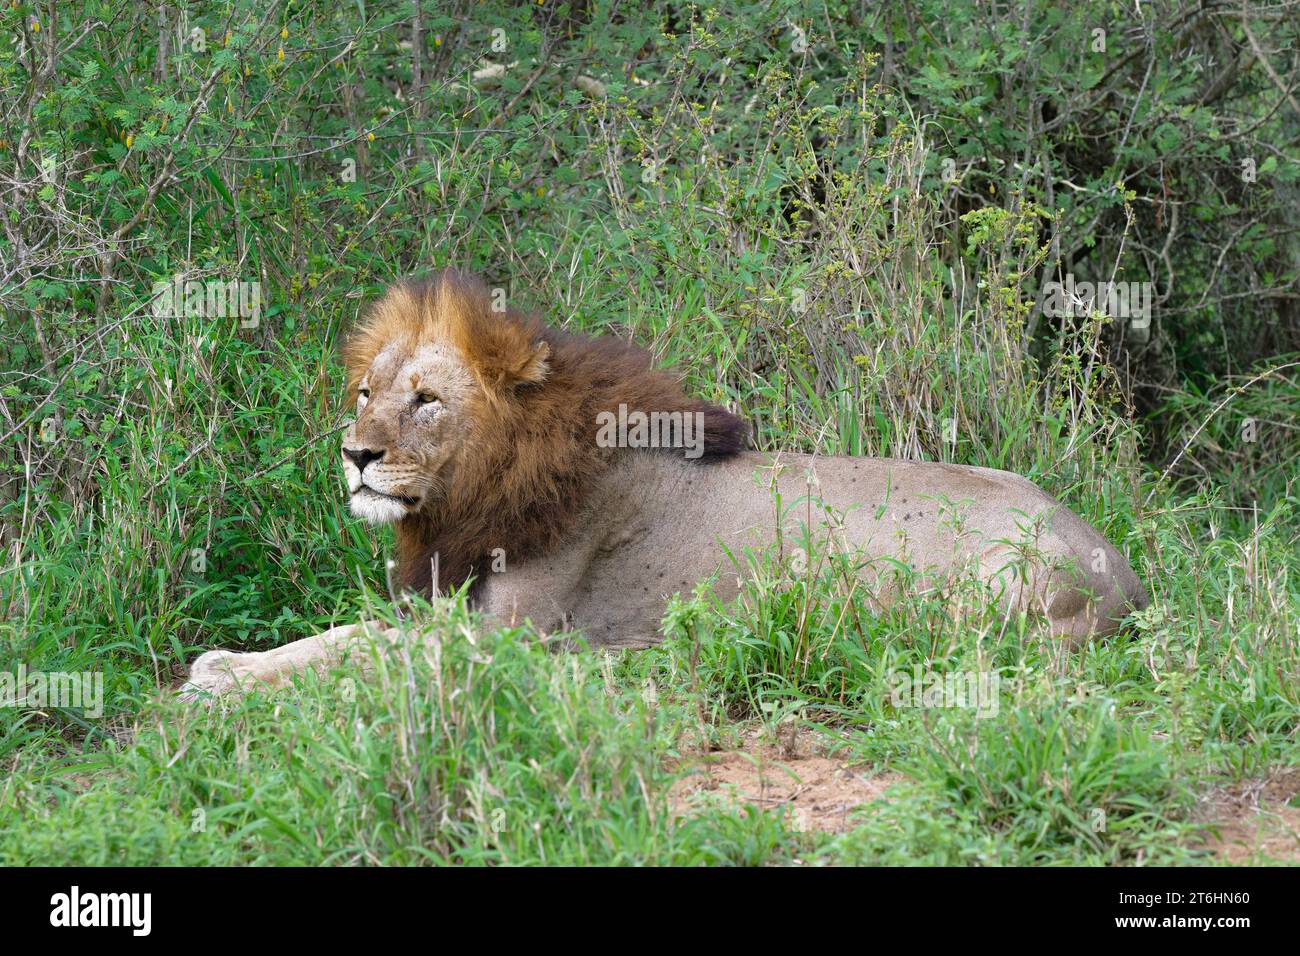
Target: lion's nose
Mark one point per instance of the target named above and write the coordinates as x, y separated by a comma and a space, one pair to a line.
362, 456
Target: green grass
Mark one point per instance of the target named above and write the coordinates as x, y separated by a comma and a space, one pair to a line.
489, 748
795, 258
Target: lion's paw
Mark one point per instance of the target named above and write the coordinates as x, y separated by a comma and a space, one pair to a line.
218, 673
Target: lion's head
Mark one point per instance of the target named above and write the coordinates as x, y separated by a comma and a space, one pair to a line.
428, 372
476, 424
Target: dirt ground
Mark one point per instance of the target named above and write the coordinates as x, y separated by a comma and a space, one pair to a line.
1247, 823
792, 772
1255, 822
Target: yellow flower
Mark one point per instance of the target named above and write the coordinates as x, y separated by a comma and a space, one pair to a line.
129, 140
284, 33
36, 25
370, 137
227, 43
279, 55
437, 41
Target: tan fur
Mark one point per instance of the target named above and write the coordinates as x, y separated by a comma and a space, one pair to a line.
478, 440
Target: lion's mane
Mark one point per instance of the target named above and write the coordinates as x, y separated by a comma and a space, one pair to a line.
533, 453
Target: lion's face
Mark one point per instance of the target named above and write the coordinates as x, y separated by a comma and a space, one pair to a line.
413, 420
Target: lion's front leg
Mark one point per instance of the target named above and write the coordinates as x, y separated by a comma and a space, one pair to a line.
542, 591
221, 672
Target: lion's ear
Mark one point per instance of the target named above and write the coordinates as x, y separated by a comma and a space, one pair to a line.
534, 365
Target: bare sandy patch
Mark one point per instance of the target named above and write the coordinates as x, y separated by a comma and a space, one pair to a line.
1253, 822
818, 791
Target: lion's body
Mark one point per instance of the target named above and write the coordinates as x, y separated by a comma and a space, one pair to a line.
656, 526
478, 436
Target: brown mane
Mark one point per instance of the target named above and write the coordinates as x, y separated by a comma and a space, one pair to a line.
534, 453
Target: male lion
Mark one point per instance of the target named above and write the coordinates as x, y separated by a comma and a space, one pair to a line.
579, 487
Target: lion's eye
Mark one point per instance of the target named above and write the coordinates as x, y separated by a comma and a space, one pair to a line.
425, 398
